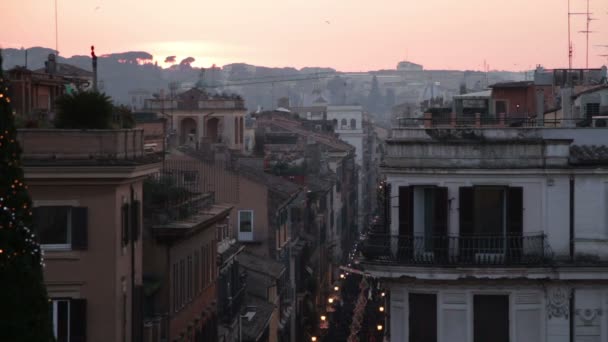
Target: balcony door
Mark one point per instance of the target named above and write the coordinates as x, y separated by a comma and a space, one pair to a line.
423, 222
491, 222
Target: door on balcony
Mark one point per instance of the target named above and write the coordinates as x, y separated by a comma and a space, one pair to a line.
423, 222
491, 318
491, 222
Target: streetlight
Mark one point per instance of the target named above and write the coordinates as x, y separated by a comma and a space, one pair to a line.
313, 339
323, 318
341, 275
381, 309
379, 327
336, 288
330, 300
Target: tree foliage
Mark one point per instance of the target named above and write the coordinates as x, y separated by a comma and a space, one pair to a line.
123, 117
84, 110
24, 314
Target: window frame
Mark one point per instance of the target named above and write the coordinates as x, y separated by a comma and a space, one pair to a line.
54, 316
245, 235
59, 246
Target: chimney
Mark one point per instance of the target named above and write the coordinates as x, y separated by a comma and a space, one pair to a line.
568, 117
540, 105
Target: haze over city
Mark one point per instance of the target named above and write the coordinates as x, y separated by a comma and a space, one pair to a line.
353, 35
304, 171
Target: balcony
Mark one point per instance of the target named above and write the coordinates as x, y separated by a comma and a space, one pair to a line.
515, 250
231, 297
110, 145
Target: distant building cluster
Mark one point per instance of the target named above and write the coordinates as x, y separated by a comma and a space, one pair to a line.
472, 208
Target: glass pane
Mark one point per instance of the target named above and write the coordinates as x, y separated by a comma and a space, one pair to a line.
63, 319
489, 211
245, 221
51, 223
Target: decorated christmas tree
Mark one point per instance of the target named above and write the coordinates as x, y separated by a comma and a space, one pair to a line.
24, 307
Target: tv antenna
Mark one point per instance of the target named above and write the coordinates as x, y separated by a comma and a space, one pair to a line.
56, 32
587, 31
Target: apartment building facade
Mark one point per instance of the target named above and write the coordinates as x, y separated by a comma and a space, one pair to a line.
86, 188
493, 235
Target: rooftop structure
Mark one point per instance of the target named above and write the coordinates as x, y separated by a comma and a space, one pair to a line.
493, 230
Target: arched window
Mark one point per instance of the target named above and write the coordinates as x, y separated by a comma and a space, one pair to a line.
343, 123
353, 123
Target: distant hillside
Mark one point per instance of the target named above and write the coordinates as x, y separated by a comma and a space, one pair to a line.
262, 86
121, 72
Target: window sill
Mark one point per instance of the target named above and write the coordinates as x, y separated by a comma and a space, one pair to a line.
61, 255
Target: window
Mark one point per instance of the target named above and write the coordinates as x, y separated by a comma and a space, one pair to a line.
190, 177
210, 261
491, 318
491, 210
245, 221
175, 288
53, 225
592, 109
501, 107
423, 220
204, 266
61, 227
423, 317
491, 222
245, 225
343, 123
353, 123
189, 280
68, 319
197, 280
182, 283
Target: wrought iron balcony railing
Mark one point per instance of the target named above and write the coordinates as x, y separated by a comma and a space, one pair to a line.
477, 250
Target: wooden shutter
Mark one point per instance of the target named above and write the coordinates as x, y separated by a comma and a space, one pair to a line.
135, 220
515, 211
80, 228
440, 228
406, 211
125, 223
465, 203
78, 320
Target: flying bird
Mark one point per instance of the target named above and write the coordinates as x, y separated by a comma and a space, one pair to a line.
96, 8
327, 22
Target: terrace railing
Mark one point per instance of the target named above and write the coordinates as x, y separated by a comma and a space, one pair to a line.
477, 250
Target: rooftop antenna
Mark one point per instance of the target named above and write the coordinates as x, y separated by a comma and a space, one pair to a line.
570, 14
56, 32
586, 32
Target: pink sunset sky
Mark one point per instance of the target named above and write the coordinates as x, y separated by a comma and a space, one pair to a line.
349, 35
